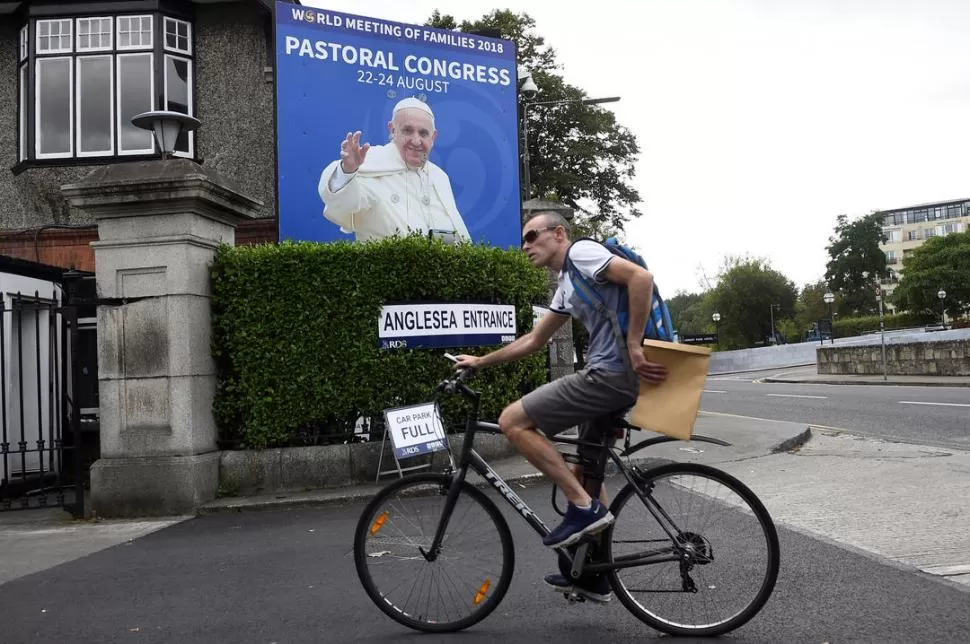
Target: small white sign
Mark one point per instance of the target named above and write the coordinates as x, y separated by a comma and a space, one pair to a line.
415, 430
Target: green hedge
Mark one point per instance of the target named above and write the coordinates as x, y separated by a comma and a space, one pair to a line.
295, 333
857, 326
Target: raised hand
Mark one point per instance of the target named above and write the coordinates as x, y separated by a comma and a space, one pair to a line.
352, 154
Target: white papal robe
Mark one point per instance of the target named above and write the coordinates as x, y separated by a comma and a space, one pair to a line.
385, 197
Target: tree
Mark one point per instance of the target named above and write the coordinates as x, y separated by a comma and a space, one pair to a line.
690, 313
746, 291
579, 153
811, 305
854, 249
940, 263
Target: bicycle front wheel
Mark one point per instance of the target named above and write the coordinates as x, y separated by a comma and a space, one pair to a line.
449, 592
721, 552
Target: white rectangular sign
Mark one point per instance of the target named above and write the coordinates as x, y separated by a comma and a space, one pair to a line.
415, 430
409, 326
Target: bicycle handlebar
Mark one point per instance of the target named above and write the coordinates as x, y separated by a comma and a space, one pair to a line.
457, 383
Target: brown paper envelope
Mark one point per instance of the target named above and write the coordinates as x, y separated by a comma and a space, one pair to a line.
671, 406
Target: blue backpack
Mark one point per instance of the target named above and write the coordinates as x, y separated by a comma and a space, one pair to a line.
659, 325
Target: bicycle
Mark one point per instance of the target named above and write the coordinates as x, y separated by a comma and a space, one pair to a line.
454, 590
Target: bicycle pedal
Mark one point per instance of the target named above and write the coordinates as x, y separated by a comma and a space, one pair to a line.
574, 598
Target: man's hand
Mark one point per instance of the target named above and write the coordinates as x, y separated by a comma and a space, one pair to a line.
652, 372
468, 362
352, 154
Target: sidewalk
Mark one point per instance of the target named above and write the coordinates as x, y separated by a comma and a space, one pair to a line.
838, 379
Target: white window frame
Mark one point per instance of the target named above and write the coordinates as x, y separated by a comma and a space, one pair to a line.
24, 43
188, 35
130, 47
70, 37
79, 116
191, 153
37, 110
23, 107
92, 20
118, 125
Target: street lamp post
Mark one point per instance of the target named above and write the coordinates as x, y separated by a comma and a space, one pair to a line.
774, 338
717, 326
527, 188
829, 297
882, 325
942, 295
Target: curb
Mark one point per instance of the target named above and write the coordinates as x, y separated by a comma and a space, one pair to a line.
881, 383
356, 494
793, 443
768, 368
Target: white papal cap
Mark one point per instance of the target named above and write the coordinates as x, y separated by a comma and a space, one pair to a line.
415, 104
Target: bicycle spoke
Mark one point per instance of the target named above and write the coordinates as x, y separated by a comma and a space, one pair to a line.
730, 562
460, 584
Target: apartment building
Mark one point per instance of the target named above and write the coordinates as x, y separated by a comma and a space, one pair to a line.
907, 228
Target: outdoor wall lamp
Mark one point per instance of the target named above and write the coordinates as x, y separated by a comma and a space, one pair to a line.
166, 126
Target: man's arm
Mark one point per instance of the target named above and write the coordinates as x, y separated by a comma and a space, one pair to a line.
639, 286
526, 345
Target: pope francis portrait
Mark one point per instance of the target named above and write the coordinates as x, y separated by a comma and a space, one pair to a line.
381, 190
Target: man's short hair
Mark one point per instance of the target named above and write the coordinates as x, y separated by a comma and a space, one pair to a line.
552, 218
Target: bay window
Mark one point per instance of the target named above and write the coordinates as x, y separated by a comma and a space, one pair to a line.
83, 78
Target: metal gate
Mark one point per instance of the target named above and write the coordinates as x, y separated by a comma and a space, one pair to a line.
41, 439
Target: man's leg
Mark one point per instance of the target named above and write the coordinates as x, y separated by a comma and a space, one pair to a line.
584, 515
521, 431
604, 498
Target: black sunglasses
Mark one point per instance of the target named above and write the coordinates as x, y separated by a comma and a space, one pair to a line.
533, 234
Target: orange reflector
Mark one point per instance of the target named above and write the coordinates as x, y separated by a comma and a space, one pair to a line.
378, 523
482, 591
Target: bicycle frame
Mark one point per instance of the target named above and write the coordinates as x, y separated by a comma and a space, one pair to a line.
469, 458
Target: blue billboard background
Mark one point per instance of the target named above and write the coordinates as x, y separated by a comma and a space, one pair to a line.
321, 96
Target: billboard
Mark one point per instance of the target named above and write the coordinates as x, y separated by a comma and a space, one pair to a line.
388, 128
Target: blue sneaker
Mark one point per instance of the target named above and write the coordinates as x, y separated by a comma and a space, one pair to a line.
577, 523
596, 588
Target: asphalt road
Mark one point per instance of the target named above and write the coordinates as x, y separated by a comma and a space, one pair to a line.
938, 416
288, 576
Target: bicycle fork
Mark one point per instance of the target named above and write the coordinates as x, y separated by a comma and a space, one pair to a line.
452, 499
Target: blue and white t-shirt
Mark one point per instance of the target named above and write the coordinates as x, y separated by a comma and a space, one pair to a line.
591, 259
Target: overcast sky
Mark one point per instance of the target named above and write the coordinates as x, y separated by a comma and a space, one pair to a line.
760, 121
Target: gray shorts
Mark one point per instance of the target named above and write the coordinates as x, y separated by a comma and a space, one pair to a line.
589, 398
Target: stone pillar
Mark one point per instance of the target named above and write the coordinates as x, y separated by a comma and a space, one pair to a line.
159, 225
561, 344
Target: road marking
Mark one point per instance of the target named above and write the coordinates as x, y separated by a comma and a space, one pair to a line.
714, 391
794, 396
910, 402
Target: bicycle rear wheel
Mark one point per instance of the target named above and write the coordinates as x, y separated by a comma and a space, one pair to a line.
459, 587
726, 546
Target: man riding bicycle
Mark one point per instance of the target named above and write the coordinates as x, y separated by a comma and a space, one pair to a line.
589, 398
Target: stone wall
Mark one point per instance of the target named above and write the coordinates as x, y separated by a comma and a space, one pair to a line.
245, 472
237, 137
942, 358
